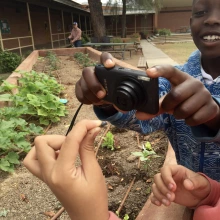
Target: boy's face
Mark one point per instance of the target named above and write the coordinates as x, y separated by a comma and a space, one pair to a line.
205, 27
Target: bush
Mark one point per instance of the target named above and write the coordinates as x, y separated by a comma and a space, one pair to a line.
164, 32
84, 38
9, 61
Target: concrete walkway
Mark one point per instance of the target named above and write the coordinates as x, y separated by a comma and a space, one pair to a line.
155, 56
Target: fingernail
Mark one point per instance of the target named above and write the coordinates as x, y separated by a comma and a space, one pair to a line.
108, 62
168, 196
170, 186
157, 203
164, 201
100, 94
104, 123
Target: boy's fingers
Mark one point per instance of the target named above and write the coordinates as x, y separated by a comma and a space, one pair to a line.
70, 148
145, 116
169, 72
107, 60
92, 84
87, 154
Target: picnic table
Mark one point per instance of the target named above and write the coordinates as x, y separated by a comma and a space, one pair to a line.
110, 47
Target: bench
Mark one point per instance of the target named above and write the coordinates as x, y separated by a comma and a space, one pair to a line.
139, 48
142, 63
117, 51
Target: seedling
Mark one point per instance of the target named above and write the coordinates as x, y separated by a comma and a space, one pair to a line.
109, 142
147, 153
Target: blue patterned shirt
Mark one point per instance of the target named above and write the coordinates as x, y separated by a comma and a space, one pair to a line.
196, 153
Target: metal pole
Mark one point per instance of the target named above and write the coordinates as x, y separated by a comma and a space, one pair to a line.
29, 19
51, 37
2, 46
135, 25
72, 19
19, 44
85, 25
80, 22
90, 24
63, 29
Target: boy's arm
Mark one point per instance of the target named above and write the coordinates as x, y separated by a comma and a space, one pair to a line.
204, 133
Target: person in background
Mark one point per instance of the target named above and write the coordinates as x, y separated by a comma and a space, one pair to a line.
76, 35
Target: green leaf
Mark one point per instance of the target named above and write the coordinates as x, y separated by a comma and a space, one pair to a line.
138, 154
12, 157
3, 213
5, 165
6, 97
148, 146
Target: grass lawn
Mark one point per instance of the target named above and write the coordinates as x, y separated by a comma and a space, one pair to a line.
179, 52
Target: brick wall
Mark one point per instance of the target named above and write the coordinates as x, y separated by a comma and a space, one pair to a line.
174, 18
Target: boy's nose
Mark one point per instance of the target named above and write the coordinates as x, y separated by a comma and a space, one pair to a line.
213, 19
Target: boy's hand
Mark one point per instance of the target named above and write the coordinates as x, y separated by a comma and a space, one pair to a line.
188, 98
88, 89
75, 187
178, 184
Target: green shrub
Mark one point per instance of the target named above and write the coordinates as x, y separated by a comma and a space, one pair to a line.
37, 103
116, 40
85, 39
164, 32
83, 59
9, 61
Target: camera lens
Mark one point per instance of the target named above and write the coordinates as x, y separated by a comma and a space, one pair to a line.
128, 95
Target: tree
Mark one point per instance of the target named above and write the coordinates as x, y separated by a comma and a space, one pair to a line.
97, 18
136, 5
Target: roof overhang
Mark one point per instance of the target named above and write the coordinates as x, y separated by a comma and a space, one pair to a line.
176, 3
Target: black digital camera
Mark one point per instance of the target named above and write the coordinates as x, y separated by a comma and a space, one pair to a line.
129, 89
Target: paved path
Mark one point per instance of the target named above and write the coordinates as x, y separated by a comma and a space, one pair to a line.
154, 55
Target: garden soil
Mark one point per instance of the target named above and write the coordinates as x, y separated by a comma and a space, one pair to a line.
23, 196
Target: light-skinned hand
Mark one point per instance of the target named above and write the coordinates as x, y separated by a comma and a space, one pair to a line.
178, 184
81, 190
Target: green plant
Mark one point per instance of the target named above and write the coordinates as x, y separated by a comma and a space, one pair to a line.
83, 59
164, 32
135, 35
3, 213
9, 61
116, 40
85, 38
147, 153
126, 217
109, 142
36, 103
53, 60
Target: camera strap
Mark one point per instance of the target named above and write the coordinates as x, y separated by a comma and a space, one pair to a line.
73, 120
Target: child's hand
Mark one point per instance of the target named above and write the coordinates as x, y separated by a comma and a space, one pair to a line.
88, 89
188, 98
178, 184
81, 190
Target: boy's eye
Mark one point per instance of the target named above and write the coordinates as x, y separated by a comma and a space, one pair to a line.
199, 13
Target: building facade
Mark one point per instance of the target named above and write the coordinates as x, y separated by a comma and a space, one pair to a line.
34, 24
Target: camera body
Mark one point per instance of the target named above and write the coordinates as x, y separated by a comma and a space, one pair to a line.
129, 89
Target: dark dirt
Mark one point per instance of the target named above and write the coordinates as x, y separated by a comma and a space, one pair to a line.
26, 197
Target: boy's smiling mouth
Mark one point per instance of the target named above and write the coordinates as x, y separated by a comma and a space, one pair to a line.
211, 38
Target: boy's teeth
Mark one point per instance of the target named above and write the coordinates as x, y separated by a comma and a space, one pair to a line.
211, 37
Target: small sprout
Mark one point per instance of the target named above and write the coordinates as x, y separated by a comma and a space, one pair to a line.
109, 142
4, 212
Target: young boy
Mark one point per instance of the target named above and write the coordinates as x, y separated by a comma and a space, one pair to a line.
189, 103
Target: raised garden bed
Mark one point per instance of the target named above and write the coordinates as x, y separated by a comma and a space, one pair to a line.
28, 198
